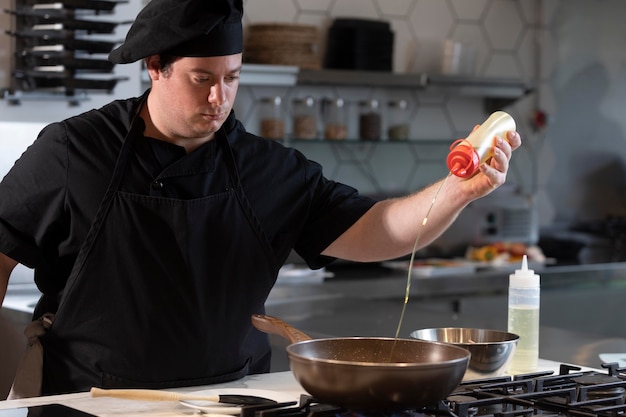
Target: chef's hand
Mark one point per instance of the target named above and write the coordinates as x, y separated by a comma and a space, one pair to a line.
492, 173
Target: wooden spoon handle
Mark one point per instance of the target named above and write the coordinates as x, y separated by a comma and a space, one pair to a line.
273, 325
150, 395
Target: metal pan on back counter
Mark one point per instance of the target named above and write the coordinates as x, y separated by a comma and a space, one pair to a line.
370, 373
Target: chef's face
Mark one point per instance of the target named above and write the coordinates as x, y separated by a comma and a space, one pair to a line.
192, 97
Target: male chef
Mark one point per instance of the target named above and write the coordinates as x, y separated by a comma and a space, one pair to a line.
157, 225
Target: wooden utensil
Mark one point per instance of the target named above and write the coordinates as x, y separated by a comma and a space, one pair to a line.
156, 395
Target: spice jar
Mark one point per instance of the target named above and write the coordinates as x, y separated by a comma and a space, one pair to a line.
304, 118
370, 120
398, 120
335, 119
272, 117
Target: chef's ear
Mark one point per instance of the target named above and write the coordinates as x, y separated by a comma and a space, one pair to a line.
153, 65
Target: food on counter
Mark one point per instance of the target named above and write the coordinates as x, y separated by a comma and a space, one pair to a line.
484, 253
434, 266
504, 252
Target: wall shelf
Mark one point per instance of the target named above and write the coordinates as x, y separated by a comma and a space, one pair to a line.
496, 92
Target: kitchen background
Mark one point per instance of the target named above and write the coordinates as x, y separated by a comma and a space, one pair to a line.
568, 56
566, 184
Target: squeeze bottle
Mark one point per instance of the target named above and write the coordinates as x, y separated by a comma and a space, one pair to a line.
524, 318
466, 155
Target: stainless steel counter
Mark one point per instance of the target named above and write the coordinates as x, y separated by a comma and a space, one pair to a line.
392, 283
581, 307
582, 310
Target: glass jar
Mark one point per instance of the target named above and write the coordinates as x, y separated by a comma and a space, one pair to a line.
335, 119
304, 118
370, 120
272, 117
398, 120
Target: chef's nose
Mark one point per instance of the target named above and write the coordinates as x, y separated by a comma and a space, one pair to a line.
216, 94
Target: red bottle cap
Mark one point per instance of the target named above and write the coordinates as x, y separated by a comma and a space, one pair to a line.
463, 161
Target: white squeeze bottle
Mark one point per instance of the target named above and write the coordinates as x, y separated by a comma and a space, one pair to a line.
466, 155
524, 318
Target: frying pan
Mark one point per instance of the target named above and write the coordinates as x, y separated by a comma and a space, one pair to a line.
370, 373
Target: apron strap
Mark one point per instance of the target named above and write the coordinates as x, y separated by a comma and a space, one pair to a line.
253, 220
116, 179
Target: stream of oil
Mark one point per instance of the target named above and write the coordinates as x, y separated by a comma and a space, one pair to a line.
410, 269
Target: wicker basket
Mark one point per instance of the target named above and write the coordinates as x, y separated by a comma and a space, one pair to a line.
282, 44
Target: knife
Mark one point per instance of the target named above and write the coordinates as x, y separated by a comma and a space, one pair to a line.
156, 395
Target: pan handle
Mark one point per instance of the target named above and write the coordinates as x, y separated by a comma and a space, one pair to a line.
274, 325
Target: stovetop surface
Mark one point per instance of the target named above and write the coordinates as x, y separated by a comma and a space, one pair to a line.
568, 393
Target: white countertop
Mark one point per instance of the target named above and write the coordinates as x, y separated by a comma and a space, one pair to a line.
283, 382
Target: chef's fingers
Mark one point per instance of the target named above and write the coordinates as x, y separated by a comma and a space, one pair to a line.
496, 168
512, 142
514, 139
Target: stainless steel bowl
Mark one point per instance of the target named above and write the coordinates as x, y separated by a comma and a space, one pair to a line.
491, 350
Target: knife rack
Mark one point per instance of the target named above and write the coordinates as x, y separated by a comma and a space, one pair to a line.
60, 49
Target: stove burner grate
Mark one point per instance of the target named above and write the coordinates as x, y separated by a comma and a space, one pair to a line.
570, 393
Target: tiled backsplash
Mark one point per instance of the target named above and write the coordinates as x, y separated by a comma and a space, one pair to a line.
571, 52
501, 36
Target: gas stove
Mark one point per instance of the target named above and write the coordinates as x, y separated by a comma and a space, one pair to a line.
570, 393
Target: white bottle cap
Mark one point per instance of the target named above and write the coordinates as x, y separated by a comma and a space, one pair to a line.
524, 278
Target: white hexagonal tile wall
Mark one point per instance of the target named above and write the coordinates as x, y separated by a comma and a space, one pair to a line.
503, 65
313, 5
347, 8
474, 44
395, 8
503, 24
431, 22
403, 46
273, 11
432, 123
469, 9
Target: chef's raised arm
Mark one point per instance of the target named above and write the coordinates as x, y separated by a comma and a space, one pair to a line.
388, 230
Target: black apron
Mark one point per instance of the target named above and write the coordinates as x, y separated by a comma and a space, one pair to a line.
162, 291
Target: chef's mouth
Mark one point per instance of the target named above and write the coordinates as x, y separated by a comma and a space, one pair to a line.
213, 116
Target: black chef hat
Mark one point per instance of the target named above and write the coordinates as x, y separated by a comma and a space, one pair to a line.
192, 28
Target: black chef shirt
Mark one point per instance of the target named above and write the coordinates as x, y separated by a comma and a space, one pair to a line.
49, 198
